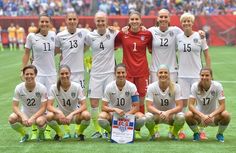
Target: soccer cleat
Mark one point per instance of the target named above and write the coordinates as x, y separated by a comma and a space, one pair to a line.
181, 135
66, 136
33, 136
170, 135
105, 135
24, 138
196, 136
157, 134
47, 135
57, 137
81, 137
220, 137
76, 136
138, 135
96, 135
203, 136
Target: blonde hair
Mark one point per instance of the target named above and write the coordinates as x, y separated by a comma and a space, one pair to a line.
187, 16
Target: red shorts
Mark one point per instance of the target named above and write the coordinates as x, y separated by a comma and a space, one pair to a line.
141, 84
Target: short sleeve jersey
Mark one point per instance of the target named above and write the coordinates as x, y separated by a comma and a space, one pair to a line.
208, 101
163, 100
11, 32
30, 100
120, 99
190, 49
134, 51
67, 100
72, 47
103, 58
164, 48
43, 52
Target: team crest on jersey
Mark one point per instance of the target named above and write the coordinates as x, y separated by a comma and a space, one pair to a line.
37, 94
171, 33
73, 94
142, 38
127, 93
113, 93
195, 40
108, 37
80, 35
213, 93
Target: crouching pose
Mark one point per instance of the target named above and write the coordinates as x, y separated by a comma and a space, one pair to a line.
121, 97
207, 106
33, 98
68, 95
164, 104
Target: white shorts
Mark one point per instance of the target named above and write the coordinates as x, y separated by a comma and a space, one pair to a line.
148, 114
185, 85
97, 84
153, 77
20, 41
47, 81
12, 39
79, 78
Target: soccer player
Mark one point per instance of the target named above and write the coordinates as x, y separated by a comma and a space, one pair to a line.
164, 104
70, 44
1, 45
12, 36
207, 106
42, 46
101, 40
20, 35
32, 96
134, 43
68, 95
32, 28
120, 97
190, 46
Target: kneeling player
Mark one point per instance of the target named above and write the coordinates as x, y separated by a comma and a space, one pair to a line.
207, 106
164, 104
68, 95
121, 97
33, 98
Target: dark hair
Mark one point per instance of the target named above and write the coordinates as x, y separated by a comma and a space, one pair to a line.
41, 15
30, 67
200, 86
120, 65
59, 80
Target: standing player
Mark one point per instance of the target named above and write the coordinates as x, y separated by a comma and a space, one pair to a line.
32, 28
207, 106
1, 44
164, 45
68, 95
42, 46
164, 103
20, 35
70, 43
134, 43
190, 45
120, 97
12, 36
101, 41
32, 96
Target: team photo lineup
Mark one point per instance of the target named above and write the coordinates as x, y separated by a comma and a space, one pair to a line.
175, 88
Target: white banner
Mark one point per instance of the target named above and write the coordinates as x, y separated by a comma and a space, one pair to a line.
122, 128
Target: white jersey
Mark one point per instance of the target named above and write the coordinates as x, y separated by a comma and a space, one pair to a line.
120, 99
72, 47
208, 101
30, 101
43, 48
164, 48
67, 100
163, 101
190, 49
102, 51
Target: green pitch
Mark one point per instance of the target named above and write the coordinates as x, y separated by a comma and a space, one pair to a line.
224, 68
